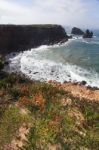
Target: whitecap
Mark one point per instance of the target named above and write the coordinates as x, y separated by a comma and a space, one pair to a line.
31, 64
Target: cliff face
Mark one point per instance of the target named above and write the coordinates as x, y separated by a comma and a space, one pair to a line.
23, 37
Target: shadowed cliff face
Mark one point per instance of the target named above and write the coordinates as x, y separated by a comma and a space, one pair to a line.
24, 37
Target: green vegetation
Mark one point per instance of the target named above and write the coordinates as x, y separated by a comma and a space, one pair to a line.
11, 120
58, 120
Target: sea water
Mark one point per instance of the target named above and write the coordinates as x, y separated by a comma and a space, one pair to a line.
76, 60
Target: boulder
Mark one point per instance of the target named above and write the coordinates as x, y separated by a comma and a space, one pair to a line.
83, 83
77, 31
88, 34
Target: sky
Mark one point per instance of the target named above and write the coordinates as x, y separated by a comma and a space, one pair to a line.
80, 13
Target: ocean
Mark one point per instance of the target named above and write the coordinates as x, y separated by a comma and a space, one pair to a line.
76, 60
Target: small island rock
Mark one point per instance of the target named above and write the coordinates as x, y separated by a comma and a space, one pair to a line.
77, 31
88, 34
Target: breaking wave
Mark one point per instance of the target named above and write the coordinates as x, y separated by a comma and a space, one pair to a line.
36, 67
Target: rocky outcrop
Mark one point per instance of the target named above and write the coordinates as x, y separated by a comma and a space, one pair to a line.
88, 34
77, 31
24, 37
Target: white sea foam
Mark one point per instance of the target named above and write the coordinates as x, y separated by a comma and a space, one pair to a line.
94, 40
35, 67
91, 42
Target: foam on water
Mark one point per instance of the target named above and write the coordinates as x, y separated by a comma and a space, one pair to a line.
35, 67
90, 42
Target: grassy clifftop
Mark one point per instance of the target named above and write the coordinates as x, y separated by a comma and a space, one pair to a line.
35, 115
32, 25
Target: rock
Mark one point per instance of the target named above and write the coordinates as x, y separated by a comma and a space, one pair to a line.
75, 83
70, 37
65, 82
15, 38
35, 72
52, 71
77, 31
68, 75
63, 41
88, 34
83, 83
30, 71
6, 63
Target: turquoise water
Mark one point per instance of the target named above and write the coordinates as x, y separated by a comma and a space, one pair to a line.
75, 60
80, 52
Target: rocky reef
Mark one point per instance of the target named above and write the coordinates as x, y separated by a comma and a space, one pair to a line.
77, 31
88, 34
24, 37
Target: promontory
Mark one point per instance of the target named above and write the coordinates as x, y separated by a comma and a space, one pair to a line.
24, 37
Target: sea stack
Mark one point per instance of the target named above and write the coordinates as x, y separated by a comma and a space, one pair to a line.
77, 31
88, 34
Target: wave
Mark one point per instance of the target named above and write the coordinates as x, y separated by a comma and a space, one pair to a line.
37, 68
91, 42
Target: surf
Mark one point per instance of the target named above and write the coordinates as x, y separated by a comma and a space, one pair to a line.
34, 65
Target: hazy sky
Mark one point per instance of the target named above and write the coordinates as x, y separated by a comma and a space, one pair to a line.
84, 13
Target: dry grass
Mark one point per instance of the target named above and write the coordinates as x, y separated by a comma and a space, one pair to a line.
63, 117
79, 91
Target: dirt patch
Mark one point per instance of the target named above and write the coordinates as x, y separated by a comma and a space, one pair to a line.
19, 140
79, 91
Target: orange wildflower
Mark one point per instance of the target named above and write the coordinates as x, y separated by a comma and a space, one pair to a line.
38, 99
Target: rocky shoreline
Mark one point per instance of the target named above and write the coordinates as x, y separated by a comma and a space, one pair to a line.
16, 38
39, 115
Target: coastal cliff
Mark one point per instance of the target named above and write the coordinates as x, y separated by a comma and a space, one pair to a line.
24, 37
44, 115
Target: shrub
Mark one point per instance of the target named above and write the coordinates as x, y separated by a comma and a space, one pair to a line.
1, 65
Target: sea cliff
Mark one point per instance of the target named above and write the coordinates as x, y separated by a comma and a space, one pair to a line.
24, 37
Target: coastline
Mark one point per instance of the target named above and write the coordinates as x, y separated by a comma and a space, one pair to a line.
16, 38
78, 84
78, 90
49, 75
59, 41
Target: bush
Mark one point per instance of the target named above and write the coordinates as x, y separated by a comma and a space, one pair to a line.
1, 65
